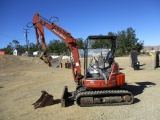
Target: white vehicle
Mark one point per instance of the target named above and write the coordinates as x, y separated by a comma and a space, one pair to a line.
36, 53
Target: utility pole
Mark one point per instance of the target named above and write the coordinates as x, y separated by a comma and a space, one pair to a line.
26, 35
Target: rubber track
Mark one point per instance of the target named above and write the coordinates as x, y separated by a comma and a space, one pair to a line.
104, 93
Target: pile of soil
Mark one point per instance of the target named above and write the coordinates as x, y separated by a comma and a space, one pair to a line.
18, 62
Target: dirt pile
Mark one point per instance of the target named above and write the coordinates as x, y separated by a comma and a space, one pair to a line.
18, 62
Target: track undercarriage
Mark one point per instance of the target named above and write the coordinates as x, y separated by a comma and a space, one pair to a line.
86, 98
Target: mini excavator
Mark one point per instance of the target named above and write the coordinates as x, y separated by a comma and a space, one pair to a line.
101, 82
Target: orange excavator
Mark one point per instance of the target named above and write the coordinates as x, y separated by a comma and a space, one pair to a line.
101, 82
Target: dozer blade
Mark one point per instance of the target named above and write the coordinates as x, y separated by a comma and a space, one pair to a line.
67, 97
45, 100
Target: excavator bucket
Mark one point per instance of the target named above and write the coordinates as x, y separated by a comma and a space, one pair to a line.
55, 62
52, 62
67, 97
43, 56
45, 100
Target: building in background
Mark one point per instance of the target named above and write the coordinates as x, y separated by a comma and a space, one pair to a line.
2, 52
15, 51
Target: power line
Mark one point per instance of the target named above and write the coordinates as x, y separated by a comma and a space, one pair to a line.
11, 37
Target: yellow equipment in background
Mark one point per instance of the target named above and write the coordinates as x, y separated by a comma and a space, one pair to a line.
151, 54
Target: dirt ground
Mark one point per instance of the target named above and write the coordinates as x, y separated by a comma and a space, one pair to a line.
22, 79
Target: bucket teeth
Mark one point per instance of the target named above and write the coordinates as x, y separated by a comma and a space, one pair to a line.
45, 100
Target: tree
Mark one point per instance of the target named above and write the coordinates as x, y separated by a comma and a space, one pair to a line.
100, 43
33, 47
57, 46
16, 43
127, 42
8, 49
21, 49
80, 43
111, 34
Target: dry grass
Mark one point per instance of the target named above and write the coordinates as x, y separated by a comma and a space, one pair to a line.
22, 79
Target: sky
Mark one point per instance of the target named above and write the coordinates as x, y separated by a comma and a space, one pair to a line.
81, 18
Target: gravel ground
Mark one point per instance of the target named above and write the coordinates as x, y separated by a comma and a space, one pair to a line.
22, 79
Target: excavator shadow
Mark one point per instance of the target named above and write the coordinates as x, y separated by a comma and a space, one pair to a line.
1, 86
142, 64
121, 68
58, 101
138, 88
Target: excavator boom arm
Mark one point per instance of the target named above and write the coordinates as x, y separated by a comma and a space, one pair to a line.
40, 22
